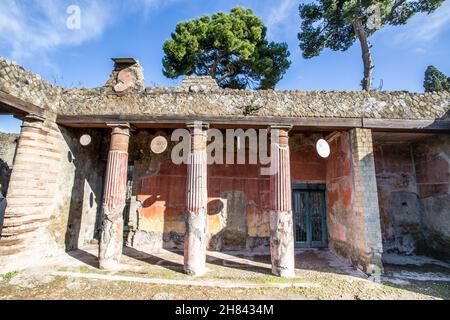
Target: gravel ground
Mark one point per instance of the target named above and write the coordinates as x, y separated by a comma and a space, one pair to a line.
320, 275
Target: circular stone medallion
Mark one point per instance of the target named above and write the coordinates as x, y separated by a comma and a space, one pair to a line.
158, 144
323, 148
85, 140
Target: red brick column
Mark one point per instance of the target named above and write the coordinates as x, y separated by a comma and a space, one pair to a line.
31, 191
111, 241
195, 239
281, 228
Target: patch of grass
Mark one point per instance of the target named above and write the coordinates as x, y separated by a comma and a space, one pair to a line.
9, 275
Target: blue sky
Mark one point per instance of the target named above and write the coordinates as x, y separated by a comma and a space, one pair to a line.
35, 35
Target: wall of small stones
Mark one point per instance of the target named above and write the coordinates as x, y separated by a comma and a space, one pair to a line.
29, 87
8, 144
199, 96
270, 103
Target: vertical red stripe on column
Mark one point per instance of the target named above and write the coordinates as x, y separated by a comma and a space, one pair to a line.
281, 179
116, 179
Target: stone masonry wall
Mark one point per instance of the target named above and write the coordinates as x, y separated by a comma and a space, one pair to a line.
366, 201
432, 163
32, 213
83, 185
37, 218
270, 103
8, 144
28, 87
400, 206
413, 182
353, 215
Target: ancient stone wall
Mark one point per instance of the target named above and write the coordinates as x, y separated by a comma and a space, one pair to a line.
340, 194
400, 205
201, 96
271, 103
353, 214
37, 223
365, 203
413, 181
33, 225
83, 186
432, 163
8, 144
28, 87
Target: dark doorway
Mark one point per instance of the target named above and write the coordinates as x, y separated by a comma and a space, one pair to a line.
309, 210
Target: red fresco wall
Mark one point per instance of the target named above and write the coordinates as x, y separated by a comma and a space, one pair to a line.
395, 174
163, 195
339, 193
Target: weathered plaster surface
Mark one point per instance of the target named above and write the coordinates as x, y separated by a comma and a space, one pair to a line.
413, 183
353, 215
84, 187
432, 162
238, 198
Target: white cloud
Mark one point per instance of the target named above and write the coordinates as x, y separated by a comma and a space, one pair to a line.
425, 28
146, 6
27, 29
33, 28
283, 18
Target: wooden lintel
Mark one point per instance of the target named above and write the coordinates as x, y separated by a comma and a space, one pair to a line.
145, 120
330, 124
407, 125
13, 105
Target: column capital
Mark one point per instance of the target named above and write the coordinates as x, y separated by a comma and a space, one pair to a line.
31, 117
284, 127
118, 124
197, 125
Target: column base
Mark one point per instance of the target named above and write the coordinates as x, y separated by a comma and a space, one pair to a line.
195, 243
194, 272
109, 265
111, 240
283, 273
282, 244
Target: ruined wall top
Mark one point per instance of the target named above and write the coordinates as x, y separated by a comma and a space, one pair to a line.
124, 93
8, 142
29, 87
199, 84
127, 76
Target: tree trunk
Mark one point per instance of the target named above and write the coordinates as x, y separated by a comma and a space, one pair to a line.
366, 56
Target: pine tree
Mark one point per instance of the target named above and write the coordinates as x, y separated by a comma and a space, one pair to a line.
435, 80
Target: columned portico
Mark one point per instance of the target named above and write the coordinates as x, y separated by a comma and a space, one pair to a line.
111, 240
281, 228
195, 240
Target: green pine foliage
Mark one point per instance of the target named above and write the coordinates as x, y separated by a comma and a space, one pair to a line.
232, 48
435, 80
337, 24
